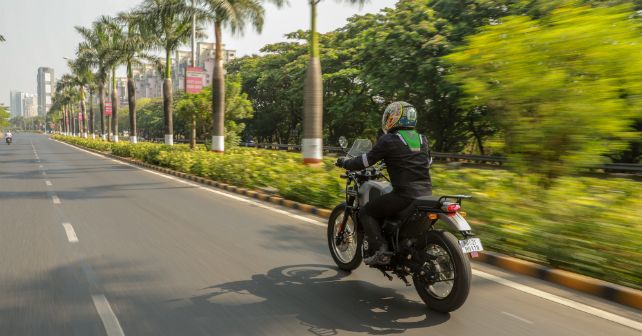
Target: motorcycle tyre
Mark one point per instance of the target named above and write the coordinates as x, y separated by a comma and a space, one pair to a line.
356, 261
463, 274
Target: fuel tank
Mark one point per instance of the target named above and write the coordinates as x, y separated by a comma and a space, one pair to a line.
372, 190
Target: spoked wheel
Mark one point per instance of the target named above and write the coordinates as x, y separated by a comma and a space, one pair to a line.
446, 283
345, 245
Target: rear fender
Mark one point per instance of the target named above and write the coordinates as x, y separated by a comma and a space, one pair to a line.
456, 221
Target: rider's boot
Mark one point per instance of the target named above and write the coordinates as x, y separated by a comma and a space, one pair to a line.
380, 257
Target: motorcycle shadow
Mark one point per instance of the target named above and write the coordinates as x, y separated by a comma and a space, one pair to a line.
321, 299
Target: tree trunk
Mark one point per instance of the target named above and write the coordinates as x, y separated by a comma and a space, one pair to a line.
218, 94
131, 99
91, 113
114, 105
168, 100
101, 99
192, 142
83, 122
312, 144
167, 109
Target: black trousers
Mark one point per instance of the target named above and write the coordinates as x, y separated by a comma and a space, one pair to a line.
372, 215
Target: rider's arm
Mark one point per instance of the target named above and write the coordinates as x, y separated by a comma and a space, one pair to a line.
376, 154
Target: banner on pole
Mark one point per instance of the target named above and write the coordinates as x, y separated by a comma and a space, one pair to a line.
107, 109
194, 79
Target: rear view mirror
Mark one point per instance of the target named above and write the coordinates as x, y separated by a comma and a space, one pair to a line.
343, 142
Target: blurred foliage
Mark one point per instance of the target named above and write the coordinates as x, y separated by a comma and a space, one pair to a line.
401, 53
564, 89
587, 225
4, 116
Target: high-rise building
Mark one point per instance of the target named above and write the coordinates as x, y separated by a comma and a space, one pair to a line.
30, 106
46, 87
15, 99
205, 58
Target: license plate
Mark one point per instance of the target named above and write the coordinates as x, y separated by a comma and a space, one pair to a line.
471, 245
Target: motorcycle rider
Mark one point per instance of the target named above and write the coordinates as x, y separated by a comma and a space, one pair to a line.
8, 136
406, 154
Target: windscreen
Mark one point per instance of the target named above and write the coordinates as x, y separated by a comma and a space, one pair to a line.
359, 147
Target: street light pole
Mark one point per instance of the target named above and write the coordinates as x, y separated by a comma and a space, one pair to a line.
193, 36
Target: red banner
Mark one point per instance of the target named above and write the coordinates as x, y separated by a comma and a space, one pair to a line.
80, 116
194, 79
107, 109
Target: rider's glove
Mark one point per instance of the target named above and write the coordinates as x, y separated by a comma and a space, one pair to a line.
340, 162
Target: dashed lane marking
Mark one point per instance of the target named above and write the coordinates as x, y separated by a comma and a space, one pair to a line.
110, 321
71, 234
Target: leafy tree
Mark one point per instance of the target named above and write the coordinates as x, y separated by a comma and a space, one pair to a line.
235, 14
193, 112
564, 88
169, 25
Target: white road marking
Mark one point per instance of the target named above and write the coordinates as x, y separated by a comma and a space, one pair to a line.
48, 183
560, 300
517, 317
110, 321
523, 288
55, 199
71, 234
40, 166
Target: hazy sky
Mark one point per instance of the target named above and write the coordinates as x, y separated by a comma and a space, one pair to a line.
41, 32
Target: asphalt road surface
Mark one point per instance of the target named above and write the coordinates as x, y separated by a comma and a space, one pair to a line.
89, 246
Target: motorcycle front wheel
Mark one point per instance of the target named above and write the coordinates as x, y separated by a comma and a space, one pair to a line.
345, 247
449, 267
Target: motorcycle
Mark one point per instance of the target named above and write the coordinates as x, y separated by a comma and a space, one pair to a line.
8, 140
434, 259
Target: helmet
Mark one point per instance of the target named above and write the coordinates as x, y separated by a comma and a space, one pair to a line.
399, 115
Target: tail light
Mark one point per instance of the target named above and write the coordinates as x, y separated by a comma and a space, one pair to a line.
451, 207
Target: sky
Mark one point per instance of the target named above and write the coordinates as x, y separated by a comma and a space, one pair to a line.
41, 32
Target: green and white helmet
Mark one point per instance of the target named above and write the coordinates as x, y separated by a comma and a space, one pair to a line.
399, 115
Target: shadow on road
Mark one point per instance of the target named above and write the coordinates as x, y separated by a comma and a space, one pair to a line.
322, 299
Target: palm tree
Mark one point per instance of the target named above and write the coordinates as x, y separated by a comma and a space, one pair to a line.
235, 14
169, 25
132, 49
113, 57
64, 98
96, 50
312, 145
82, 77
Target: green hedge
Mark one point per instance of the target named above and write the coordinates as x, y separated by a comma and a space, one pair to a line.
587, 225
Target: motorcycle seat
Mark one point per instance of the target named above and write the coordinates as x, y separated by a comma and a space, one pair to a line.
423, 202
431, 202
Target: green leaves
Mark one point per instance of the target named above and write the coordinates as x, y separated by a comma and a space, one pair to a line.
4, 116
564, 88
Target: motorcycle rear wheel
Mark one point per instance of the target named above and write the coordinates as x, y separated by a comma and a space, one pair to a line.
455, 270
347, 256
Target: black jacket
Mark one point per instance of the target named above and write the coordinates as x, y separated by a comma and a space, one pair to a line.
408, 170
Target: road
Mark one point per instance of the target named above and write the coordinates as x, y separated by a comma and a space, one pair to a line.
89, 246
